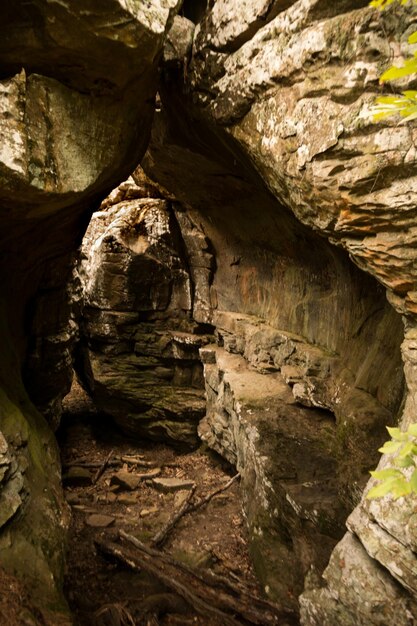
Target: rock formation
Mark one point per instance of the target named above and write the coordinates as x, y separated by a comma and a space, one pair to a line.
268, 122
146, 272
302, 222
77, 92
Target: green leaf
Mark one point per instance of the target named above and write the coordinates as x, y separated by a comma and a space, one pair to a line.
394, 100
383, 4
380, 115
413, 38
394, 73
395, 433
407, 461
378, 4
390, 447
386, 473
412, 430
406, 450
382, 489
410, 116
400, 488
413, 481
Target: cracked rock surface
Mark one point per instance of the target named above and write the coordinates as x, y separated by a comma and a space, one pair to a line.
77, 88
280, 93
145, 276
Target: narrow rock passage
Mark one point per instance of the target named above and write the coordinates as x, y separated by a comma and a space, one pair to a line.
140, 489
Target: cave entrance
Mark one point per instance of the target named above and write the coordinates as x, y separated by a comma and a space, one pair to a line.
145, 274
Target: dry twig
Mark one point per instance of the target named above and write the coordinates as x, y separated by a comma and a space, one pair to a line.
102, 467
204, 501
209, 595
159, 539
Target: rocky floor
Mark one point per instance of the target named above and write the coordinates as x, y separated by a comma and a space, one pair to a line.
142, 485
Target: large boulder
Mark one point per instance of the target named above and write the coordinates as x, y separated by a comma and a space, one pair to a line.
145, 274
76, 111
293, 86
78, 82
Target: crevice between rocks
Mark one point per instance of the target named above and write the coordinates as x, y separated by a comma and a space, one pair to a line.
273, 406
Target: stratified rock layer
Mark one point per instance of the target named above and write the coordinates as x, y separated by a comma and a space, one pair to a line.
287, 457
145, 275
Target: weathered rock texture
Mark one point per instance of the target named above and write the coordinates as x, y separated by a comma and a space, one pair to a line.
276, 95
77, 88
146, 272
287, 457
315, 66
376, 560
264, 130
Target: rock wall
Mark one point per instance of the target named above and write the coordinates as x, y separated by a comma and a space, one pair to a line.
77, 89
265, 129
145, 272
147, 276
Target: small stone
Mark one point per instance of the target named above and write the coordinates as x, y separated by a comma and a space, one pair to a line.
127, 498
72, 498
84, 508
180, 497
126, 480
106, 497
154, 472
77, 477
172, 484
151, 511
99, 521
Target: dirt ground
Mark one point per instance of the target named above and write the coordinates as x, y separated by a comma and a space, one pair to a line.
103, 592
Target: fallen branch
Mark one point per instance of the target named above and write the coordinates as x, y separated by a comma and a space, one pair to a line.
159, 539
209, 595
139, 563
91, 464
116, 614
115, 462
102, 467
206, 500
137, 460
148, 611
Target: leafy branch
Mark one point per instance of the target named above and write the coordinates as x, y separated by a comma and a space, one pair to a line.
404, 104
383, 4
401, 479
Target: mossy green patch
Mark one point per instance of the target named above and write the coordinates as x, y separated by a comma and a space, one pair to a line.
32, 545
